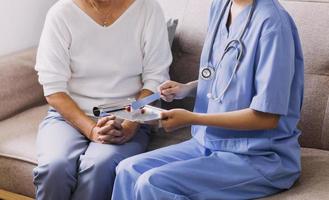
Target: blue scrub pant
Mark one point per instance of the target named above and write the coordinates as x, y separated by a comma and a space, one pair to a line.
188, 171
72, 167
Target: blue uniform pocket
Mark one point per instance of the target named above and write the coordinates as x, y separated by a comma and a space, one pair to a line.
234, 145
246, 146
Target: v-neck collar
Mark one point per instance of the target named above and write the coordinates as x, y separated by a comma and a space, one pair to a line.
237, 25
90, 19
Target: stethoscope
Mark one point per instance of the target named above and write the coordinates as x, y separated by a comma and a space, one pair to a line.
208, 72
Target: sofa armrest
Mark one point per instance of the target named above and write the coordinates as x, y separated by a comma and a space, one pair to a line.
19, 87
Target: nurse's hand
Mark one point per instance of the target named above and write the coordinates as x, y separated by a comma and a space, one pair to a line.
171, 90
177, 118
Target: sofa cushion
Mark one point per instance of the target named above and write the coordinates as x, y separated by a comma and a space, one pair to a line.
315, 112
16, 176
314, 181
311, 18
18, 134
172, 26
19, 86
187, 47
161, 139
18, 151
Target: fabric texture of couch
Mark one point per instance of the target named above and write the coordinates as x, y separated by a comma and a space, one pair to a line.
22, 105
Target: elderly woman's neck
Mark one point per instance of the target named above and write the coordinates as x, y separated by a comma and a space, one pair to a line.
109, 2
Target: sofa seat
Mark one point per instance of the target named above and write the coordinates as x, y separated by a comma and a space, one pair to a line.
18, 158
18, 151
314, 181
18, 148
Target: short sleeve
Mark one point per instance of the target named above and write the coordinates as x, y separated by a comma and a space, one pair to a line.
156, 49
53, 60
274, 72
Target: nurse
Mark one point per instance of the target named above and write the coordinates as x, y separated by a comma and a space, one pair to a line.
248, 102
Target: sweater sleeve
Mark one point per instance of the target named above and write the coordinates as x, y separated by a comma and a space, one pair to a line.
53, 60
156, 50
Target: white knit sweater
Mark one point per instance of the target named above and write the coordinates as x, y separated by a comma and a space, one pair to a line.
97, 65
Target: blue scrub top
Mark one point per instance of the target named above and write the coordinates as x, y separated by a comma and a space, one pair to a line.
270, 79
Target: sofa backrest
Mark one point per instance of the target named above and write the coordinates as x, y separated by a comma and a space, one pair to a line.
19, 87
312, 19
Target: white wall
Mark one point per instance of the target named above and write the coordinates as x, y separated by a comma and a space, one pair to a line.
21, 22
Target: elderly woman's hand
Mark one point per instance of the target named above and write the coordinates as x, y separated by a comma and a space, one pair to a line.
109, 130
129, 130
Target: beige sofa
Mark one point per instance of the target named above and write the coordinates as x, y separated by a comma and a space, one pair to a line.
22, 105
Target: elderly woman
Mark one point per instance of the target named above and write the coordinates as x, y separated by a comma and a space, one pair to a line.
93, 52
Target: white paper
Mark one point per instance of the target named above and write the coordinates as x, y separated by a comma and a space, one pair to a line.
151, 114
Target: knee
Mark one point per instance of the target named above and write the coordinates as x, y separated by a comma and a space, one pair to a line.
144, 183
99, 166
152, 181
128, 166
54, 169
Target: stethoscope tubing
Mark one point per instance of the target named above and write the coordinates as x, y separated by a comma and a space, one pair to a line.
228, 46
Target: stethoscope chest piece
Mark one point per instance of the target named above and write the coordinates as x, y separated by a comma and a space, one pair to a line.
207, 73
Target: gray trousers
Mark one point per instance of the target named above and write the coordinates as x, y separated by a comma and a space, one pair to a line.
72, 167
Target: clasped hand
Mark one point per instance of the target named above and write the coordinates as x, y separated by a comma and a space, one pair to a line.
110, 130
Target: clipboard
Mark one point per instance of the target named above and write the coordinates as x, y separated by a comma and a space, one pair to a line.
144, 115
